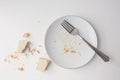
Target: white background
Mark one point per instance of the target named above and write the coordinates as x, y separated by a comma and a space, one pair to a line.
35, 16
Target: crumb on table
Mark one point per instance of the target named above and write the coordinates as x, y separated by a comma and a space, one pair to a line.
20, 68
14, 55
42, 64
25, 35
22, 45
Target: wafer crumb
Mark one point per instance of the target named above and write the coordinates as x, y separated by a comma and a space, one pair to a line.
20, 68
42, 64
14, 56
22, 45
23, 51
25, 35
65, 50
73, 51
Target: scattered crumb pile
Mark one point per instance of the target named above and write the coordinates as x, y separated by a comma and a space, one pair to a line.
66, 49
69, 44
24, 49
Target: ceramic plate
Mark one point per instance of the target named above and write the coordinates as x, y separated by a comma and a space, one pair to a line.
67, 50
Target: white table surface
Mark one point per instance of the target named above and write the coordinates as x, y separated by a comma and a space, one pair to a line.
35, 16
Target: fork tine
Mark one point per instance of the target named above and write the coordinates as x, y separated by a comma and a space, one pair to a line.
67, 26
72, 27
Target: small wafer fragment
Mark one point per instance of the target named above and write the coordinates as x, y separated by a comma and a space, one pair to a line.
14, 55
22, 45
65, 50
20, 68
72, 50
25, 35
42, 64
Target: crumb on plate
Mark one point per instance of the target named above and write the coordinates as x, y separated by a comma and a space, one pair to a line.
65, 50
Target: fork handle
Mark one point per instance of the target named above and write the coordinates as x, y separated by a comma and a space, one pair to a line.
101, 54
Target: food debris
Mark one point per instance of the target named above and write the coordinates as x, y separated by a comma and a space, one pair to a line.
14, 56
20, 68
42, 64
25, 35
22, 45
25, 50
70, 50
73, 51
66, 50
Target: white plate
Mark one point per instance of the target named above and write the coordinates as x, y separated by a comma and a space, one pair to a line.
57, 38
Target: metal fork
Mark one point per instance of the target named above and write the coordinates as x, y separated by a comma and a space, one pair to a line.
74, 31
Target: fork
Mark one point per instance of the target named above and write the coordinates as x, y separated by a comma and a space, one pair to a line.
74, 31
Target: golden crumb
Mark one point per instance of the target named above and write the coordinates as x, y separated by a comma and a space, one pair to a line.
70, 50
14, 56
73, 51
65, 50
25, 35
20, 68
